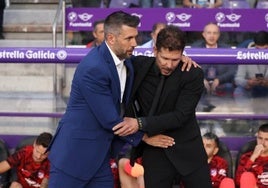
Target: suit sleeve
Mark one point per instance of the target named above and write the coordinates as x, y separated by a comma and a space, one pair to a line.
101, 95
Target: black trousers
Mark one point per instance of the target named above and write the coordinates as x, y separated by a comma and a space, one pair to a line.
160, 172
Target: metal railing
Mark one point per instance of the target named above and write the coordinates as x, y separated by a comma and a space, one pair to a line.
61, 9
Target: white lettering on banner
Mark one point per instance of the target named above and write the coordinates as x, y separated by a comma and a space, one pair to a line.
251, 55
229, 25
145, 53
40, 54
12, 55
79, 24
186, 24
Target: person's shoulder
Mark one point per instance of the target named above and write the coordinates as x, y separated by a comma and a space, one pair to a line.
142, 59
198, 44
219, 159
223, 45
246, 155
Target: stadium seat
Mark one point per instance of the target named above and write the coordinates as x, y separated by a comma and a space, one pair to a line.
262, 4
234, 4
25, 142
249, 146
225, 153
4, 177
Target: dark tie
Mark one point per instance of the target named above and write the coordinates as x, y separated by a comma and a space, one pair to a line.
157, 96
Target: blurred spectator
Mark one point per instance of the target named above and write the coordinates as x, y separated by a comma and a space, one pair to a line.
98, 33
202, 3
218, 78
83, 37
158, 3
31, 164
155, 30
218, 165
252, 80
2, 7
254, 164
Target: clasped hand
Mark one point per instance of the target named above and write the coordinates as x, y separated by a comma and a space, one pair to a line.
126, 127
130, 126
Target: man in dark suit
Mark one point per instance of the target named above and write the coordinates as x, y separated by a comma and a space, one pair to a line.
80, 150
174, 115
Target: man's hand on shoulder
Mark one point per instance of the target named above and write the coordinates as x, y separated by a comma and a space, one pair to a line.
188, 63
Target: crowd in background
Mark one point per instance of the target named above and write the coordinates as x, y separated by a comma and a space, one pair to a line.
234, 39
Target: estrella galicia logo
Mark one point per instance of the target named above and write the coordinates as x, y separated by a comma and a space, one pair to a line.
61, 54
233, 17
72, 16
170, 17
220, 17
183, 17
85, 16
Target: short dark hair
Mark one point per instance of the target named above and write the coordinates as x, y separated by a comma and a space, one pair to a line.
156, 25
97, 23
263, 128
44, 139
261, 38
212, 136
171, 37
116, 20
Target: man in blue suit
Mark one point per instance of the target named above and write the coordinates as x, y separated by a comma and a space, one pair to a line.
84, 140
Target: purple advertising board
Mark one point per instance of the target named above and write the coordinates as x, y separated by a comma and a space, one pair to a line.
74, 55
82, 19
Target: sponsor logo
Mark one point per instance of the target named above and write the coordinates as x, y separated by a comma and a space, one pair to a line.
233, 17
85, 16
244, 55
72, 16
33, 54
83, 20
149, 53
183, 19
229, 20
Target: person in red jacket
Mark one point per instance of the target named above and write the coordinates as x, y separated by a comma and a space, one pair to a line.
31, 164
218, 165
255, 162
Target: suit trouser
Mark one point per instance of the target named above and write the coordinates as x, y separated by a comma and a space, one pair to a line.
102, 179
160, 172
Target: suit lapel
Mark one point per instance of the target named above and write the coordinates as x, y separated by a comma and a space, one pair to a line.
140, 74
129, 81
111, 65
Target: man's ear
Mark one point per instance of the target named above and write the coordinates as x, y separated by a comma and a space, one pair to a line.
203, 34
110, 38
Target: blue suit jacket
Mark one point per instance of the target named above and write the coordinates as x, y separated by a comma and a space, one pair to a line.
84, 136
